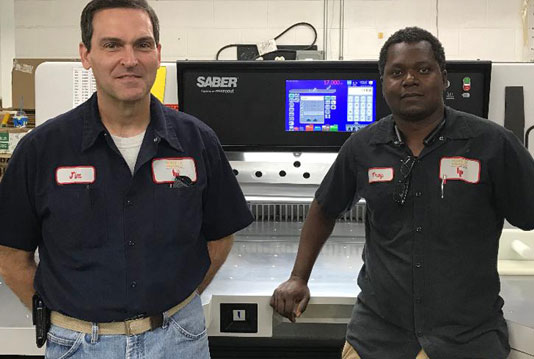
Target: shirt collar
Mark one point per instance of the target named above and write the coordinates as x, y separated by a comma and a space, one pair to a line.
456, 127
93, 126
385, 131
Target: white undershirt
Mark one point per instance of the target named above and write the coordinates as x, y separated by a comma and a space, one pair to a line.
129, 148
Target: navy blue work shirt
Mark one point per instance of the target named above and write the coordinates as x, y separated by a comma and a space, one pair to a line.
430, 276
112, 245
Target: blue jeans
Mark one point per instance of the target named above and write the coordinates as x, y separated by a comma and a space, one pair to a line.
183, 335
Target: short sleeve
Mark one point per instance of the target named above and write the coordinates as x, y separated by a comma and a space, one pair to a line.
225, 210
513, 175
19, 225
337, 192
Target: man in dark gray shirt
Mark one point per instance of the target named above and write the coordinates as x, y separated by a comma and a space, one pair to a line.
438, 184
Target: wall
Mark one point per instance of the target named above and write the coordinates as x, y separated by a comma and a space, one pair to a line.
7, 44
196, 29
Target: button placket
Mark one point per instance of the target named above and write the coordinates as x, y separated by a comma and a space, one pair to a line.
419, 182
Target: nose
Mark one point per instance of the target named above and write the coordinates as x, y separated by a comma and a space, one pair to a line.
129, 59
410, 79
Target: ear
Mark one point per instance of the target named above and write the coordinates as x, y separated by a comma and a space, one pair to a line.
158, 47
84, 56
444, 77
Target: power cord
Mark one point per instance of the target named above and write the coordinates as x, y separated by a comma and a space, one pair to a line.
224, 48
276, 38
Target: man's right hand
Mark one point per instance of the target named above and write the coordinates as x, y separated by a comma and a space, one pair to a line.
291, 298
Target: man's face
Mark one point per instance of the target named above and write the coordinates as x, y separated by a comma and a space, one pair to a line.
124, 56
413, 82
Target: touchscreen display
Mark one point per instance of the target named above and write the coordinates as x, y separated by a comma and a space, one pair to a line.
329, 105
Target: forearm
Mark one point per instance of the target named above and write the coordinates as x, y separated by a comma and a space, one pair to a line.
316, 230
21, 284
218, 251
17, 268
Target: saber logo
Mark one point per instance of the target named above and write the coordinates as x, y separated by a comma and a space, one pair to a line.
216, 81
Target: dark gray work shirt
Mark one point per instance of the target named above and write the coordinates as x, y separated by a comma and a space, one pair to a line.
430, 277
112, 245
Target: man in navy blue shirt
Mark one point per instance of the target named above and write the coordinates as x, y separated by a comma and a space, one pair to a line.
438, 184
131, 205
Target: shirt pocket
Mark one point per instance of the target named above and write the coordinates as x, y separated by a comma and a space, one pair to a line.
463, 200
77, 217
382, 211
178, 213
461, 205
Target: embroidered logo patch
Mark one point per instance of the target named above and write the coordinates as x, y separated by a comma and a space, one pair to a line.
165, 170
75, 175
459, 169
380, 174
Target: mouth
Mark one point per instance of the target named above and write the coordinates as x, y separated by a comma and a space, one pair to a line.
411, 95
128, 76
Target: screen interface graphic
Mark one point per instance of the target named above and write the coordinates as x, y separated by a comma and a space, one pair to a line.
329, 105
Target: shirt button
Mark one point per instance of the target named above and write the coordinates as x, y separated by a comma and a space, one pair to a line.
133, 284
418, 194
419, 333
128, 203
131, 243
418, 265
156, 139
418, 300
419, 229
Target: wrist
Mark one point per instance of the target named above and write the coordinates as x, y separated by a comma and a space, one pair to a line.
299, 278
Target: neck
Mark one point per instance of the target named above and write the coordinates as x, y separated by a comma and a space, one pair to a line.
124, 119
416, 131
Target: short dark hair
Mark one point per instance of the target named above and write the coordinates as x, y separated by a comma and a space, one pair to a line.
93, 6
412, 35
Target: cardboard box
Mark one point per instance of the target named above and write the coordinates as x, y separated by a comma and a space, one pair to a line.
9, 138
4, 159
23, 81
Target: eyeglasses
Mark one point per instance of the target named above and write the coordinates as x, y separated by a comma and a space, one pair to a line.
402, 184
